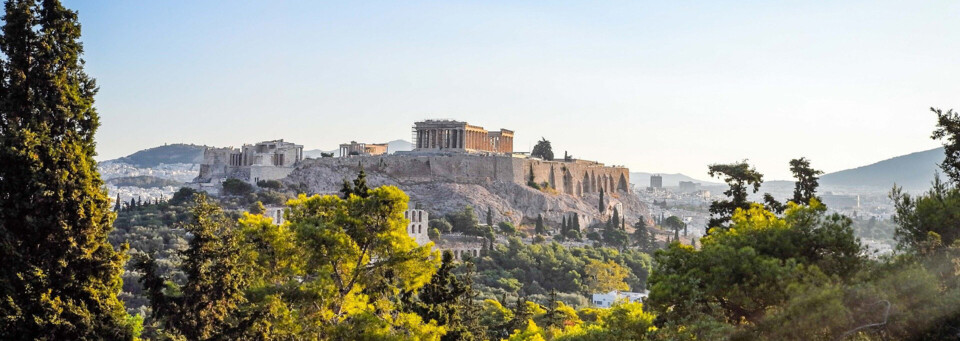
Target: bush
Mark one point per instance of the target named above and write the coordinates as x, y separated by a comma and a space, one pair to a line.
507, 228
271, 184
441, 224
236, 187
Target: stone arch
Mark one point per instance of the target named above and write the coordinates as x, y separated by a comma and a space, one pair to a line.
610, 183
586, 183
594, 183
622, 184
580, 189
567, 182
552, 179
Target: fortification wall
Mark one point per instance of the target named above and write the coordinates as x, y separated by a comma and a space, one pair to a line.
572, 178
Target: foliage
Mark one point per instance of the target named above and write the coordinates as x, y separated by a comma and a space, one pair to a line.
742, 271
441, 225
270, 184
539, 228
507, 228
936, 211
805, 189
543, 150
236, 187
948, 127
60, 277
602, 277
257, 208
739, 176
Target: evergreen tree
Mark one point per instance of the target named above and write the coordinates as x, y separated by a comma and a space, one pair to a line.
117, 204
441, 300
359, 186
739, 177
554, 316
614, 221
539, 228
543, 150
60, 276
676, 234
208, 304
489, 216
133, 203
807, 181
641, 235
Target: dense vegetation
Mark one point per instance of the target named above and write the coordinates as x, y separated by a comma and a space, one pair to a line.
344, 268
172, 153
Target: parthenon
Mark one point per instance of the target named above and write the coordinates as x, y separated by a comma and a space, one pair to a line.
460, 136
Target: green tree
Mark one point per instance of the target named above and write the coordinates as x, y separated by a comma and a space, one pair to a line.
206, 307
442, 300
60, 277
739, 177
948, 127
507, 228
464, 221
805, 189
441, 225
543, 150
602, 277
489, 217
257, 208
740, 273
641, 236
236, 187
358, 187
540, 228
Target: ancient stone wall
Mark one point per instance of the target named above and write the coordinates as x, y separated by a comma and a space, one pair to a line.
575, 178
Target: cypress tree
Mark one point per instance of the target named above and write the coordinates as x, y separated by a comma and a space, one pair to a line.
60, 277
563, 226
539, 228
489, 217
117, 207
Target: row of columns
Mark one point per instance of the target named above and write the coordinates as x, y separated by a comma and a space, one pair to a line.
453, 138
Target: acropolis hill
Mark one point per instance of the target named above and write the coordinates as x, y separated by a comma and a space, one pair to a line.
456, 164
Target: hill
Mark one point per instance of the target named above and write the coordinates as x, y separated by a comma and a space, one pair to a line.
166, 154
669, 180
912, 171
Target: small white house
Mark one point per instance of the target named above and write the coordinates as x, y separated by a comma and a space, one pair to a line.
608, 299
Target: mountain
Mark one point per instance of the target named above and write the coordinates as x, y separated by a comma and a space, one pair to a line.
392, 146
399, 146
912, 171
669, 180
168, 154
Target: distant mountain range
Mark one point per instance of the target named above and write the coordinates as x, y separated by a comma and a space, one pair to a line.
912, 172
168, 154
669, 180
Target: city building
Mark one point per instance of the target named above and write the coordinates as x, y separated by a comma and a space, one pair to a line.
268, 160
366, 149
688, 186
608, 299
656, 181
460, 245
436, 135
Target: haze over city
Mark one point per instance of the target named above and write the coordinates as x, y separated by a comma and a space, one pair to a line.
649, 85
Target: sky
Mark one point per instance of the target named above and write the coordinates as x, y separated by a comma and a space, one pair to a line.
664, 86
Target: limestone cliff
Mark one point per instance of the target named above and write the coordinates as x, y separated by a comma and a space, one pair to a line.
445, 183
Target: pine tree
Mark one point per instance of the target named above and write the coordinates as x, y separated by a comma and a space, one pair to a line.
489, 217
641, 235
563, 226
118, 205
60, 277
615, 220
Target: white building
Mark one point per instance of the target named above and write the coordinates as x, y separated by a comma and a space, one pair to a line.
608, 299
418, 226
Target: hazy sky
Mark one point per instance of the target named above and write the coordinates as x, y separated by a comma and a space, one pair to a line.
666, 86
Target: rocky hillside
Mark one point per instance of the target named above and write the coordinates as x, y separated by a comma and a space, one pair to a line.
508, 201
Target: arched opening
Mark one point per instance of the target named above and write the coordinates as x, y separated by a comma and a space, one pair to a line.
567, 182
579, 189
553, 179
586, 183
622, 184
